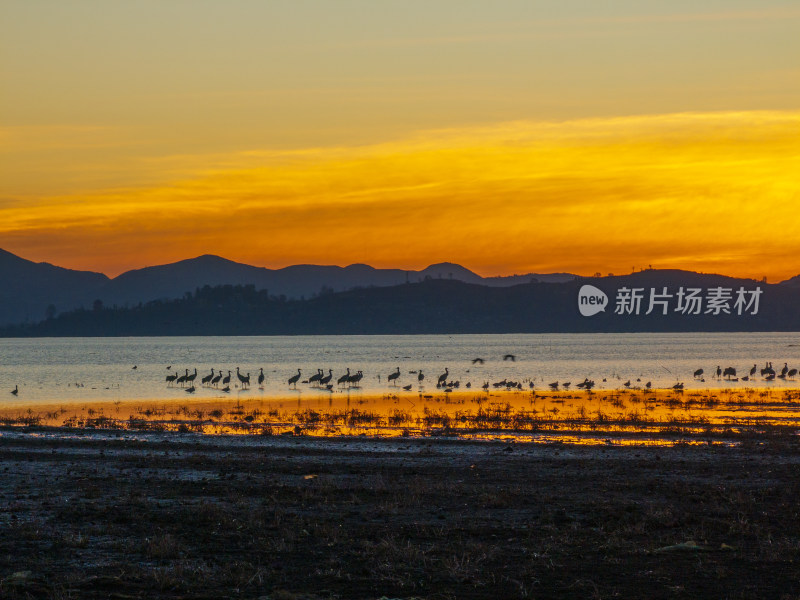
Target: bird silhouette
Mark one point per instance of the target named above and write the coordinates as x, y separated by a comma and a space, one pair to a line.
443, 377
207, 379
510, 357
420, 377
15, 391
327, 379
344, 378
355, 379
407, 387
243, 379
261, 377
393, 376
295, 378
477, 361
316, 377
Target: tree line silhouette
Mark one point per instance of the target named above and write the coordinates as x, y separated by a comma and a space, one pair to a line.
435, 307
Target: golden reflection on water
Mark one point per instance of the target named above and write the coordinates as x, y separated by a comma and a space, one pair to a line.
605, 417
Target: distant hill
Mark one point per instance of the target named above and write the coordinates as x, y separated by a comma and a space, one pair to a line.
446, 306
32, 287
29, 288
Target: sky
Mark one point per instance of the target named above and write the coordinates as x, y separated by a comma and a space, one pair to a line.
507, 136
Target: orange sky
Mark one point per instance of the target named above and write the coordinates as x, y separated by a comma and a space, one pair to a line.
510, 142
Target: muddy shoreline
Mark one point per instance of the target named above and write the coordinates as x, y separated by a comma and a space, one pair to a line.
99, 514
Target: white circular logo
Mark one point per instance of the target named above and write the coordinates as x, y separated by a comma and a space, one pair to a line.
591, 300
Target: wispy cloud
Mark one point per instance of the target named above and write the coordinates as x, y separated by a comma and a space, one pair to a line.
688, 189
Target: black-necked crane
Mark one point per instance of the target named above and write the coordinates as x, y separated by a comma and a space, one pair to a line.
182, 379
753, 371
190, 378
355, 379
327, 379
207, 379
420, 377
189, 390
295, 378
443, 377
791, 373
344, 378
394, 376
316, 377
216, 379
261, 377
698, 374
15, 391
407, 387
477, 361
784, 370
510, 357
227, 379
243, 379
171, 378
719, 371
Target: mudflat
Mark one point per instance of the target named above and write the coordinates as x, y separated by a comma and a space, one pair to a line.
124, 514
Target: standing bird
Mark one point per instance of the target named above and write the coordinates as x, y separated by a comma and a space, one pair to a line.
216, 379
327, 379
784, 370
261, 377
15, 391
443, 377
753, 371
698, 374
294, 379
316, 377
420, 377
394, 376
190, 378
719, 371
243, 379
171, 378
207, 379
227, 379
344, 378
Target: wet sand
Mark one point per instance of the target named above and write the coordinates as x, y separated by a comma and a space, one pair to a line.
89, 513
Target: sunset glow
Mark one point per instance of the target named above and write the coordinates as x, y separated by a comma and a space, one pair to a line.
395, 167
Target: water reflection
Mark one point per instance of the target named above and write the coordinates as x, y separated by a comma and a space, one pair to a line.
604, 417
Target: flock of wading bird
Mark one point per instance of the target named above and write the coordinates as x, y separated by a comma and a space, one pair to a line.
320, 380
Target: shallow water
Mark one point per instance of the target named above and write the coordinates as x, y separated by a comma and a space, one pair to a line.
101, 369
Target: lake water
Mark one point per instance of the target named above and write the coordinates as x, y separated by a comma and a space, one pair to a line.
101, 369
